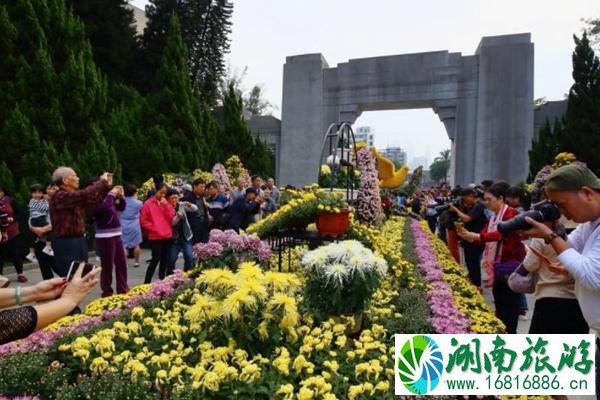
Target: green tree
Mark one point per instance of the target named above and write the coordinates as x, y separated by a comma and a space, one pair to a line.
545, 147
438, 170
52, 96
593, 30
175, 112
206, 27
582, 119
110, 28
236, 138
255, 103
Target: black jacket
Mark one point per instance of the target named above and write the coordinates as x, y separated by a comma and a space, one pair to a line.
240, 213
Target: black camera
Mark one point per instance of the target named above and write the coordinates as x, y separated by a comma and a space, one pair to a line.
445, 207
542, 211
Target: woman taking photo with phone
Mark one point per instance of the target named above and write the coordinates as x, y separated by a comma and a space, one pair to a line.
556, 307
501, 256
18, 323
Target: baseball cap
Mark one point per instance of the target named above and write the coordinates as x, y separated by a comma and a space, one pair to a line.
572, 178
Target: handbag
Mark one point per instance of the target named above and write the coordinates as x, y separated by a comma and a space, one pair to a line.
522, 281
502, 270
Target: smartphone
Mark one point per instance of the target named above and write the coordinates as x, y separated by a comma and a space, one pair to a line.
87, 268
539, 255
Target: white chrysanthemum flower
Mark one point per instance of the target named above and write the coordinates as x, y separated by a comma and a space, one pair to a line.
336, 274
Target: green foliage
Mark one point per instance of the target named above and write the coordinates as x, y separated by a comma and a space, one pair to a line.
579, 130
31, 374
110, 28
174, 111
236, 137
441, 165
53, 99
341, 278
255, 103
415, 181
582, 119
544, 147
104, 386
206, 25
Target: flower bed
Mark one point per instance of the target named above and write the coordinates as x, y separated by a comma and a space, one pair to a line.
247, 334
456, 303
96, 313
298, 208
229, 249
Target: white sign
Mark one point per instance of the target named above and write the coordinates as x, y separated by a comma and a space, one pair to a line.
495, 365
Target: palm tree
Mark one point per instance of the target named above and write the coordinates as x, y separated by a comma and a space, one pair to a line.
441, 165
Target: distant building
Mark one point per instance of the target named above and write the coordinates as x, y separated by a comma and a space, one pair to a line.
396, 154
419, 161
140, 18
364, 134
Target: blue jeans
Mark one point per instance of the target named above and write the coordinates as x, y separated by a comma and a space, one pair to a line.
188, 256
523, 302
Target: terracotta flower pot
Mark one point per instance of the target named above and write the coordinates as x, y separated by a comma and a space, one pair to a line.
333, 224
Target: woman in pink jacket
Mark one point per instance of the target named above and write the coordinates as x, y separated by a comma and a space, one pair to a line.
156, 216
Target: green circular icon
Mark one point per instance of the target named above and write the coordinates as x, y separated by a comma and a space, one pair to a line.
420, 364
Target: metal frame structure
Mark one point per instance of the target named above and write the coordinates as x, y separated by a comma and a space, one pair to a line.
336, 133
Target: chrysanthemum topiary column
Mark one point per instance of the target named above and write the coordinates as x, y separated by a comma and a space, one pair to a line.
219, 174
369, 201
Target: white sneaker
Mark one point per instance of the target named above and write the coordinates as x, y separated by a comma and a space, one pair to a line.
31, 257
48, 250
524, 317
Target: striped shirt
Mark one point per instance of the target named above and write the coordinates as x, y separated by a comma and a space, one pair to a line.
38, 208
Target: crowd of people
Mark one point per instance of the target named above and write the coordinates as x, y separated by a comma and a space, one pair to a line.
169, 222
546, 243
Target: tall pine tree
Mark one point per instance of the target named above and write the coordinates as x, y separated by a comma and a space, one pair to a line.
52, 96
578, 131
237, 139
544, 148
582, 119
206, 25
176, 113
110, 28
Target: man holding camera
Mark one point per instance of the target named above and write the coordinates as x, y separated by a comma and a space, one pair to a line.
473, 218
576, 191
67, 214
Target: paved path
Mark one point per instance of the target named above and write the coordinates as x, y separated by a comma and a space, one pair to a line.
135, 276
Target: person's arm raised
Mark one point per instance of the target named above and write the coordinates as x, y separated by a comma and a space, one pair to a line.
64, 199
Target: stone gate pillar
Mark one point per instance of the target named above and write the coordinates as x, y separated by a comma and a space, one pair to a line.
504, 108
301, 119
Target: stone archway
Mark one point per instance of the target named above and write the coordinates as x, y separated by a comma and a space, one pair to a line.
485, 102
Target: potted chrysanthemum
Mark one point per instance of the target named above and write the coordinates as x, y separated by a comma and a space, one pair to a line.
333, 215
341, 278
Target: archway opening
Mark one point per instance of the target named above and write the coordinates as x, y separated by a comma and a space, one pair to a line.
418, 133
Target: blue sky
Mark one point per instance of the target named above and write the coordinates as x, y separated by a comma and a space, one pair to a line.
266, 31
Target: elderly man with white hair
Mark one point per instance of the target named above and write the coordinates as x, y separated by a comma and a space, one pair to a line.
67, 214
